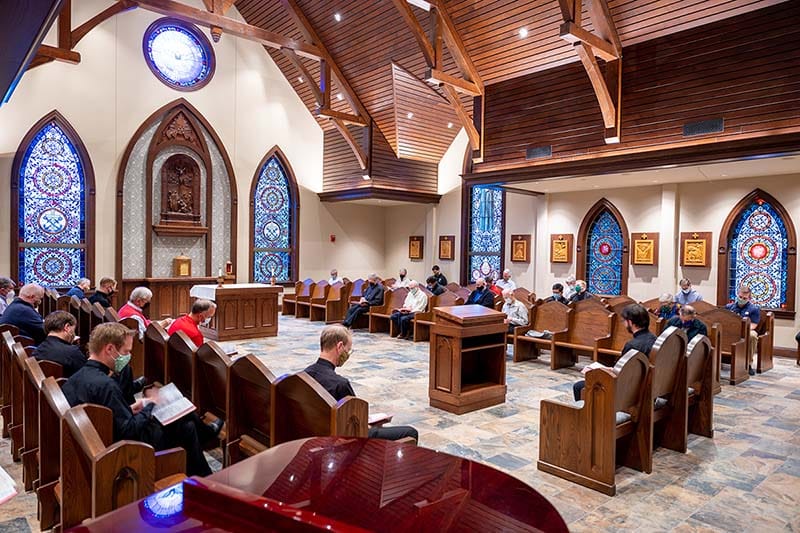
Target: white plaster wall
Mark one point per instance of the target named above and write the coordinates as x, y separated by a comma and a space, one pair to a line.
521, 219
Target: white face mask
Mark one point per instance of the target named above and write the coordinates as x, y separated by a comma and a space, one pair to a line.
11, 295
206, 322
686, 291
509, 300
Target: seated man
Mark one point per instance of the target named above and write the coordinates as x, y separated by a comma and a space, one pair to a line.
102, 294
58, 347
434, 286
110, 347
666, 308
687, 321
569, 287
687, 294
23, 314
7, 286
416, 302
80, 288
201, 313
481, 295
580, 293
506, 282
747, 309
637, 322
137, 303
402, 279
373, 295
516, 312
336, 347
334, 277
437, 273
558, 294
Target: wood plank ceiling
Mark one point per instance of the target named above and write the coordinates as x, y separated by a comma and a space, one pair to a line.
382, 61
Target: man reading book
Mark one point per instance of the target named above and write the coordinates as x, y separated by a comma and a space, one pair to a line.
336, 347
110, 347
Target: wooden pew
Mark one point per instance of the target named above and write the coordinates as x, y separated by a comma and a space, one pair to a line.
766, 340
335, 306
700, 368
357, 291
98, 314
99, 475
618, 303
584, 443
302, 289
17, 422
155, 353
609, 349
423, 321
137, 352
111, 315
521, 295
734, 347
379, 314
63, 303
13, 332
179, 366
85, 323
35, 373
453, 287
52, 407
210, 385
249, 396
550, 316
589, 323
317, 296
300, 407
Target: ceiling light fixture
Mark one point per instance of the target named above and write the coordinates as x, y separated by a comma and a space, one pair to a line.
365, 177
523, 32
300, 79
449, 125
337, 17
410, 115
339, 97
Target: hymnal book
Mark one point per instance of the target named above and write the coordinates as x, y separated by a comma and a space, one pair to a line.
379, 418
228, 348
172, 405
592, 366
539, 334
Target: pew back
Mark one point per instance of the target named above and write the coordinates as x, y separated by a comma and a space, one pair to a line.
156, 343
180, 363
211, 380
550, 316
249, 397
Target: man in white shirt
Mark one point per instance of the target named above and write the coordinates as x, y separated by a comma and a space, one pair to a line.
402, 280
516, 312
334, 277
7, 295
506, 282
569, 287
687, 294
415, 302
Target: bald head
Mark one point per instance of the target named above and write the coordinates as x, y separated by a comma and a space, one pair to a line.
32, 293
480, 283
413, 284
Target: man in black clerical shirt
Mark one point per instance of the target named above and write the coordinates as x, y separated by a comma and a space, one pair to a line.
637, 321
687, 321
434, 286
481, 295
58, 347
373, 295
105, 289
336, 346
558, 294
437, 273
110, 347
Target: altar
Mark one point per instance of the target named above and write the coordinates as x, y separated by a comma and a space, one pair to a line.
244, 310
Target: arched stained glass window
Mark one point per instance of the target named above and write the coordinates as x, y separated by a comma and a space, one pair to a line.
51, 219
485, 231
605, 245
759, 254
275, 209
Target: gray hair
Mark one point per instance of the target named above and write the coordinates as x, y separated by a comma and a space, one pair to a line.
84, 281
140, 293
507, 293
666, 297
7, 283
201, 305
413, 284
372, 276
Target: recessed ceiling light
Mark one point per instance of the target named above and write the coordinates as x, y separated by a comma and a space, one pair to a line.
339, 96
365, 177
523, 32
337, 17
655, 181
449, 125
410, 115
596, 186
724, 175
300, 79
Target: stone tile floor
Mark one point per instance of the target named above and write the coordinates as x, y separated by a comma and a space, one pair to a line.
747, 478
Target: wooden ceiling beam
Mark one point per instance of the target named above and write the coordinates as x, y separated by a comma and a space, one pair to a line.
604, 25
58, 54
229, 25
308, 79
65, 26
416, 30
436, 38
602, 49
457, 49
114, 9
354, 145
462, 86
463, 117
598, 82
346, 118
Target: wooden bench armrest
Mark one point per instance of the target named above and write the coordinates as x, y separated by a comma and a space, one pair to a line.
170, 462
522, 330
603, 343
559, 336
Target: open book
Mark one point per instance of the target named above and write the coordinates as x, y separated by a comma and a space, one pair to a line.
539, 334
379, 418
172, 405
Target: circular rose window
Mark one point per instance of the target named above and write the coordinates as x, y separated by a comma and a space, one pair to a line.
178, 54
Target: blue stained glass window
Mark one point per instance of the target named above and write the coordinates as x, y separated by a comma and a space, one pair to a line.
759, 255
52, 211
178, 54
486, 231
272, 228
604, 257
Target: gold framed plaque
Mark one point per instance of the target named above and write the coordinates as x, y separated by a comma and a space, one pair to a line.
696, 249
645, 249
182, 266
447, 244
561, 247
520, 248
415, 246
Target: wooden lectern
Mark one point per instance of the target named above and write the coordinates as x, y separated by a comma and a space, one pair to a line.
244, 310
468, 358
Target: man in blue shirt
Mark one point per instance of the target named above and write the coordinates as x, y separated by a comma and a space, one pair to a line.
481, 295
747, 309
687, 295
80, 288
23, 314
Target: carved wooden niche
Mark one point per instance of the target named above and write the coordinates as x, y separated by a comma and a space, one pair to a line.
180, 191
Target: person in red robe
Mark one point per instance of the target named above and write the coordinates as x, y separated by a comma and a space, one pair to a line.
201, 313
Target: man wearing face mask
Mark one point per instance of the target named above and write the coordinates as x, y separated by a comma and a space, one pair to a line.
687, 294
687, 321
373, 295
666, 308
200, 314
434, 286
481, 295
516, 312
58, 347
23, 314
102, 294
747, 309
558, 294
416, 301
139, 300
336, 347
7, 295
637, 322
580, 292
110, 347
402, 279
